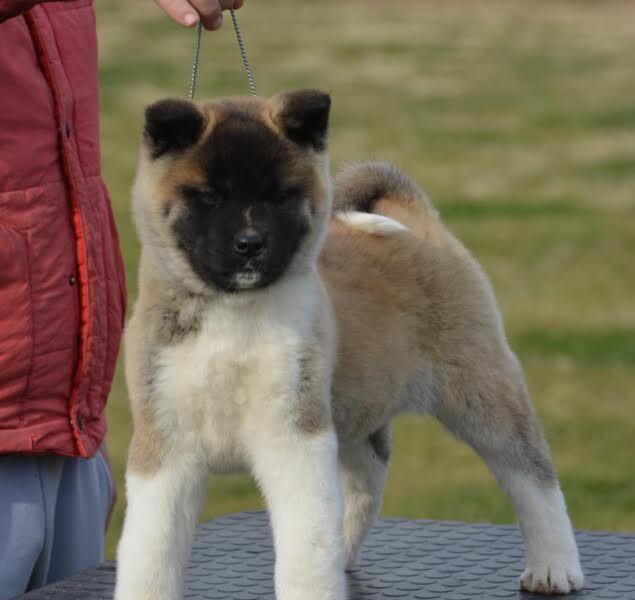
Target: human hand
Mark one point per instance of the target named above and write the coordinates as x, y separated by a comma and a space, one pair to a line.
189, 12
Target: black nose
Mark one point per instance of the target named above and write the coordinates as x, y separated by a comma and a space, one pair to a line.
249, 242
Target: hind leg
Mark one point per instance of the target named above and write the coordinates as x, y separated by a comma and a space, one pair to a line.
363, 470
491, 411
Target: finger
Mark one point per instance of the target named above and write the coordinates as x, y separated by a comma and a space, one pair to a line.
210, 12
180, 11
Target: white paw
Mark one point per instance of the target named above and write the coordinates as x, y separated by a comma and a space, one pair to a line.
351, 561
350, 555
553, 577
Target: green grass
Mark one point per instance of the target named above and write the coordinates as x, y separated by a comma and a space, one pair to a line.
518, 121
486, 208
591, 348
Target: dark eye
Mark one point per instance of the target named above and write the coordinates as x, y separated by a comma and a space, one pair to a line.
291, 194
210, 199
203, 196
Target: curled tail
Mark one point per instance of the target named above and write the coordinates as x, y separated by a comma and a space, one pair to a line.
362, 186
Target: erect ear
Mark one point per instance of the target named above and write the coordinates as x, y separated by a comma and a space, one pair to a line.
304, 117
172, 125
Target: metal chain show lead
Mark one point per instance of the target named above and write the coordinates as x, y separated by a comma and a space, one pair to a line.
243, 54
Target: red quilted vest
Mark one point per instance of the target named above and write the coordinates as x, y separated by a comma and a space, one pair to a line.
62, 290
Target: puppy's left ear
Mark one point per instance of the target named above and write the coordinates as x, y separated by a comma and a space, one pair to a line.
304, 117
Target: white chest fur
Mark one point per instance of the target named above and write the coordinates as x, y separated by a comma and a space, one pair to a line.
238, 371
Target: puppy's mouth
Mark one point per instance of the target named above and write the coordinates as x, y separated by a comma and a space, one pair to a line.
245, 276
248, 279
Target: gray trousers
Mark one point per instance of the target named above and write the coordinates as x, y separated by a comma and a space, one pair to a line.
53, 513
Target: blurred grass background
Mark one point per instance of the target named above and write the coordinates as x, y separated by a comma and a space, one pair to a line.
518, 119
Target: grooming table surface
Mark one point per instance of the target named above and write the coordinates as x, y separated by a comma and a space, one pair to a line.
232, 559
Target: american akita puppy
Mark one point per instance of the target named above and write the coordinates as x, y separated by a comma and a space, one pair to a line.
279, 332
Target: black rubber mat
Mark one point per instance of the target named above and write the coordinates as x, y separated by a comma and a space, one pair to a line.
428, 560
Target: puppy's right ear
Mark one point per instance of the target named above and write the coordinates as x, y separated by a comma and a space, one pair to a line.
172, 125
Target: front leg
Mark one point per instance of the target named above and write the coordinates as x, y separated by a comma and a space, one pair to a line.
298, 474
163, 506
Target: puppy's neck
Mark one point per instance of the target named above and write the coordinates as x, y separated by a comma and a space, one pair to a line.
291, 298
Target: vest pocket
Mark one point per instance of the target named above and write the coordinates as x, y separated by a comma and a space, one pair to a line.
16, 323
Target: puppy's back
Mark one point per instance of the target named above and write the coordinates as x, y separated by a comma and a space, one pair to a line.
408, 296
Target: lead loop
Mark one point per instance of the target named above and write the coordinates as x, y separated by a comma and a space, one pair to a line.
243, 54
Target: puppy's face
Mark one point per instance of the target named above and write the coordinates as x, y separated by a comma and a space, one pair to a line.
232, 194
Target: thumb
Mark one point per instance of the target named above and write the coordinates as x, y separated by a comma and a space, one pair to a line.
180, 11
